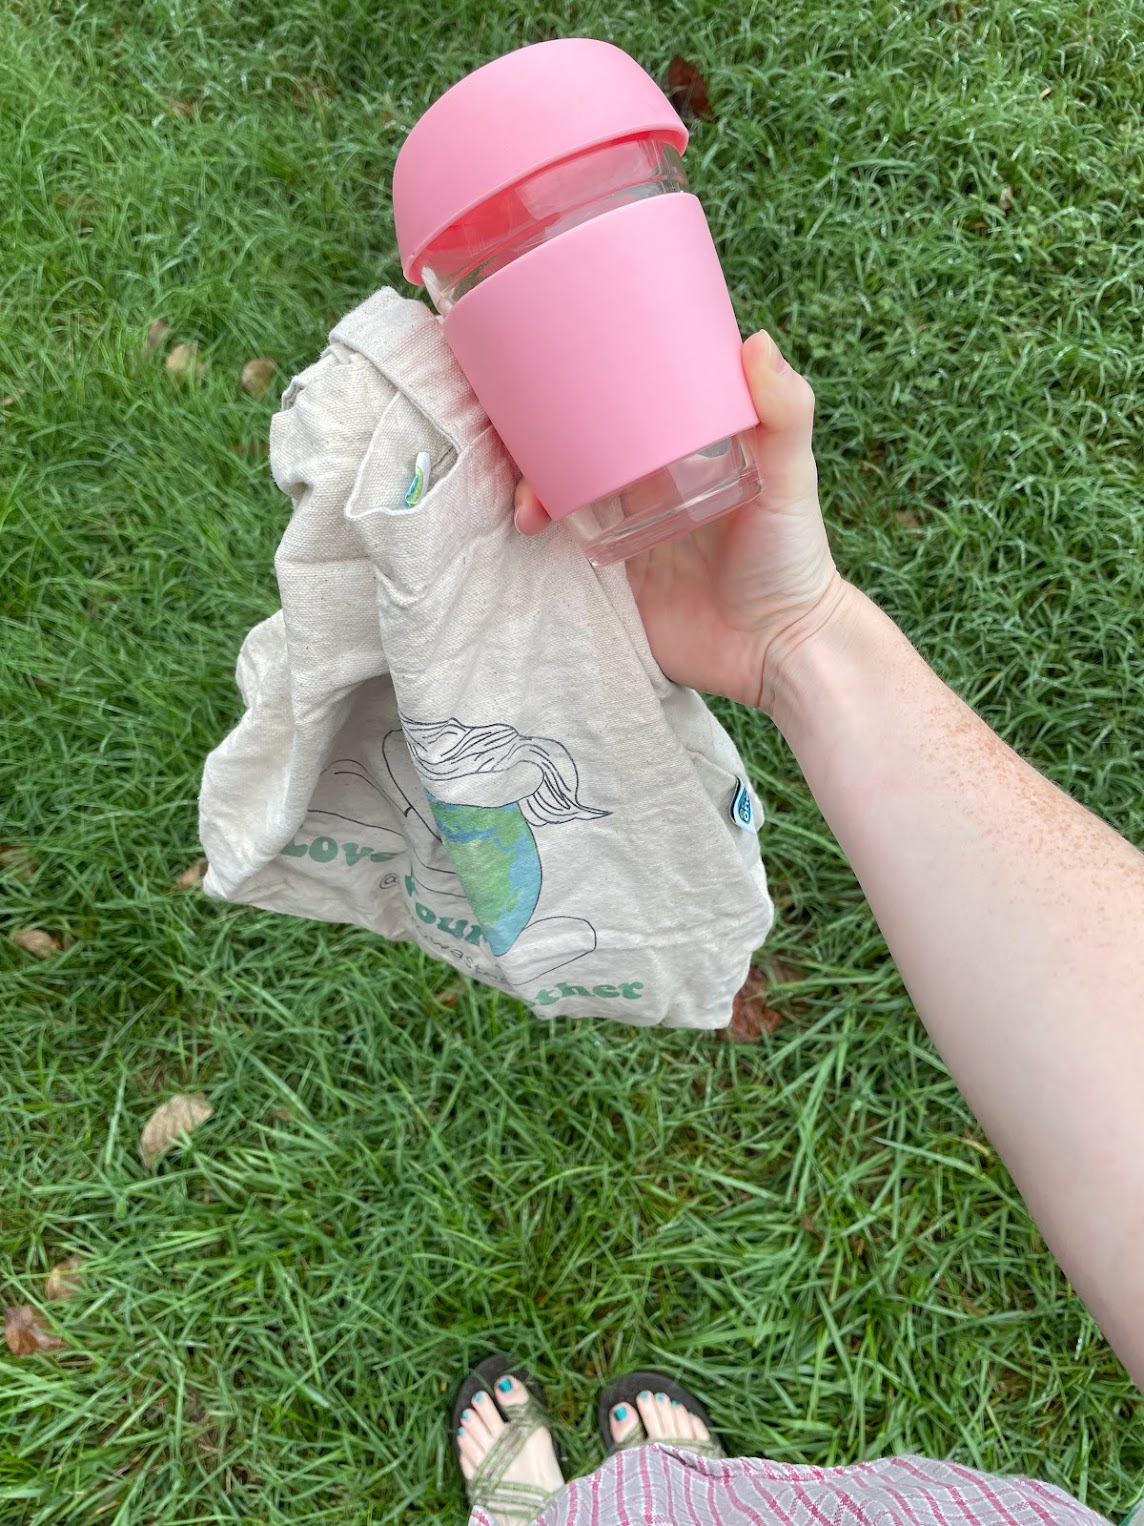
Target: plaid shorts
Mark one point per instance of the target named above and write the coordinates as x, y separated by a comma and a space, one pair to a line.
663, 1486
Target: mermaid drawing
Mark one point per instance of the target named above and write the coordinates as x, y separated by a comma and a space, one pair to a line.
478, 847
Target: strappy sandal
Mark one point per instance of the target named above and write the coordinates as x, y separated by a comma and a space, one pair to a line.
624, 1391
503, 1499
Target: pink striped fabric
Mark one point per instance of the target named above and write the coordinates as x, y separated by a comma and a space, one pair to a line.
662, 1486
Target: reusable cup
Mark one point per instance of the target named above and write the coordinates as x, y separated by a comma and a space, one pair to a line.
542, 202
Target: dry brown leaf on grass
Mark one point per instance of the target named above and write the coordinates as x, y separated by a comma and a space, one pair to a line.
258, 375
192, 877
176, 1118
16, 861
34, 940
154, 338
686, 89
185, 362
750, 1015
26, 1332
1007, 198
64, 1280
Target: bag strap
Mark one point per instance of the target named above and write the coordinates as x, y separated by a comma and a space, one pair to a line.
404, 340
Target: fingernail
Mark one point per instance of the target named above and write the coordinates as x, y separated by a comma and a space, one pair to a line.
779, 361
516, 519
505, 1385
620, 1412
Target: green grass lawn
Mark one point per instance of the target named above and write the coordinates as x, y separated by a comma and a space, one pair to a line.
403, 1171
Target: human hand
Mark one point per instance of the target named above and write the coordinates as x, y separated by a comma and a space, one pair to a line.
725, 606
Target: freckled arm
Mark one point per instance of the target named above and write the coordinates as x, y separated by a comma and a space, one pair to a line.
1017, 920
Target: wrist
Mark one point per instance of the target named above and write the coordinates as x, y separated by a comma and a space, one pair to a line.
803, 661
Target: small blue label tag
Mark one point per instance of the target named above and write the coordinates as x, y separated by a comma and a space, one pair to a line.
416, 489
742, 812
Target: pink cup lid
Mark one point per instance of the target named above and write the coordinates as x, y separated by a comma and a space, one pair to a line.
512, 117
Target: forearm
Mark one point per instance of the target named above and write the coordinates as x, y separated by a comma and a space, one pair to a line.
1017, 921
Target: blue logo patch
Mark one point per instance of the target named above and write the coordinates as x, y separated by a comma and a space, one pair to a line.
742, 812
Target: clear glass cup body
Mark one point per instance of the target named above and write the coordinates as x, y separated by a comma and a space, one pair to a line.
687, 493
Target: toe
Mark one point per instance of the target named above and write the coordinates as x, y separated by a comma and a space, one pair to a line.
484, 1419
624, 1420
470, 1449
698, 1429
667, 1415
680, 1421
649, 1414
510, 1392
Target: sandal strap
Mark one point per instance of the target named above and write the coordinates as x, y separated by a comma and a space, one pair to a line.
489, 1488
636, 1437
640, 1438
708, 1448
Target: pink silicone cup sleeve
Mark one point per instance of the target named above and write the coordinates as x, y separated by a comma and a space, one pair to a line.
608, 352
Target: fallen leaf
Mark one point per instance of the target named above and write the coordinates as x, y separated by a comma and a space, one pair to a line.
750, 1015
1007, 198
811, 1228
63, 1281
1010, 1383
192, 878
181, 1115
686, 89
907, 519
16, 861
258, 375
185, 362
281, 1115
180, 108
26, 1333
155, 337
34, 940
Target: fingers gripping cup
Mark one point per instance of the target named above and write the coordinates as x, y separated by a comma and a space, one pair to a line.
542, 202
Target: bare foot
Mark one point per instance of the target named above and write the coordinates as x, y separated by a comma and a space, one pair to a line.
534, 1468
659, 1418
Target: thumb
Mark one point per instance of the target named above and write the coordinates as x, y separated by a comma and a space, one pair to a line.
784, 403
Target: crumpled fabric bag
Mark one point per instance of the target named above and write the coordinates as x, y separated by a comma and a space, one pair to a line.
457, 735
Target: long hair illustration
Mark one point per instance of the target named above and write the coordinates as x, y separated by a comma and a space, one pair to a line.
510, 784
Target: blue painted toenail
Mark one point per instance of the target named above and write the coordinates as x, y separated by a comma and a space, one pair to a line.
646, 1394
505, 1385
620, 1412
676, 1403
466, 1414
662, 1398
479, 1399
460, 1430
